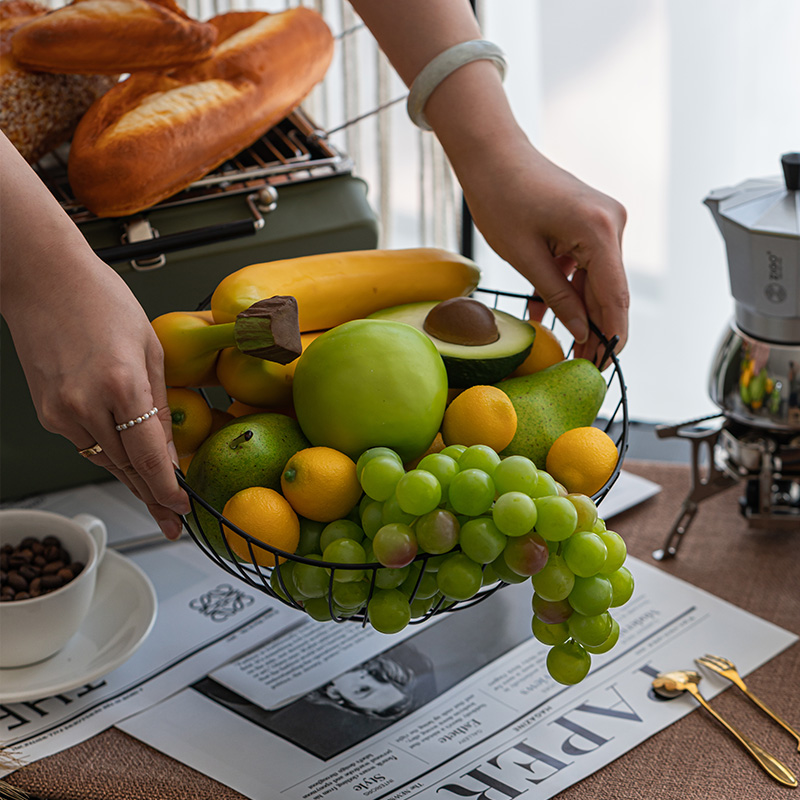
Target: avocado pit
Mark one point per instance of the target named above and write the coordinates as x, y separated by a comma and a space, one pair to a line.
462, 320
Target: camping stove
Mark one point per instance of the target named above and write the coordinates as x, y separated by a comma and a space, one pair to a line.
755, 376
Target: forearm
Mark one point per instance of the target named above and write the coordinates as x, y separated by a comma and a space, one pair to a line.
468, 111
42, 252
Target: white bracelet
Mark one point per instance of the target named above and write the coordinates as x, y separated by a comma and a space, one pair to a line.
445, 64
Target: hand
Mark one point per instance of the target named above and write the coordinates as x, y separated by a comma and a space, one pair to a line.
92, 360
562, 235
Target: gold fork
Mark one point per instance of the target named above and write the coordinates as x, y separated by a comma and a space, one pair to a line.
726, 668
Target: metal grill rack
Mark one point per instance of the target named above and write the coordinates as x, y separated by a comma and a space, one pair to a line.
294, 151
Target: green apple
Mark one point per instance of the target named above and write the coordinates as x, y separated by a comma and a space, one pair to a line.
370, 383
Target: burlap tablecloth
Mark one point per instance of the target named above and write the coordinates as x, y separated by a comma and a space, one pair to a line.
694, 758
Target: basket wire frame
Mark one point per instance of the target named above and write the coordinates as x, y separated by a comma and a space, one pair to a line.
261, 577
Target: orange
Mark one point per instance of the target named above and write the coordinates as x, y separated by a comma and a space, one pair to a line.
545, 352
218, 419
480, 415
191, 419
582, 459
239, 409
320, 483
265, 515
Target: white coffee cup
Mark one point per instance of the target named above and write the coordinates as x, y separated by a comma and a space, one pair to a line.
36, 628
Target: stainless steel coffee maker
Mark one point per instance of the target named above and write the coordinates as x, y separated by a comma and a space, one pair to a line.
755, 374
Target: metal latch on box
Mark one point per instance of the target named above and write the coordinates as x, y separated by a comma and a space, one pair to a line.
139, 236
140, 230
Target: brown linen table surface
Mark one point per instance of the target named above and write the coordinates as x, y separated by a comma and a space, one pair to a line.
692, 759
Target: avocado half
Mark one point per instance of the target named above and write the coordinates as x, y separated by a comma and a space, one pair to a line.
471, 365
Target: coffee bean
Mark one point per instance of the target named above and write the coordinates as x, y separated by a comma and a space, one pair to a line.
33, 568
50, 582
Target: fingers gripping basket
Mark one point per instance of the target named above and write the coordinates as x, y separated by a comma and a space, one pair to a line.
273, 581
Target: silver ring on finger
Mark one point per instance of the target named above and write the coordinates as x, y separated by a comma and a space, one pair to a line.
121, 426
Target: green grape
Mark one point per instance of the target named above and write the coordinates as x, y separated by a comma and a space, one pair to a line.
437, 531
549, 634
555, 580
389, 611
345, 551
371, 517
395, 545
621, 586
284, 572
374, 452
479, 456
599, 526
504, 572
353, 514
587, 511
606, 645
556, 517
432, 563
380, 476
490, 576
514, 513
585, 553
311, 581
444, 467
471, 492
419, 583
617, 551
420, 606
454, 451
546, 485
351, 595
310, 532
459, 577
481, 540
568, 663
340, 529
418, 492
552, 612
592, 630
363, 503
393, 513
591, 596
391, 577
515, 474
318, 608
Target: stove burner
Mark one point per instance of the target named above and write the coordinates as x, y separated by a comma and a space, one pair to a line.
767, 461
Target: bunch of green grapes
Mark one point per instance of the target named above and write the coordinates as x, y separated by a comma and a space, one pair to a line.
461, 520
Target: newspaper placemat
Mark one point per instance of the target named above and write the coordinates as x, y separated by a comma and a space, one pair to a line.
463, 708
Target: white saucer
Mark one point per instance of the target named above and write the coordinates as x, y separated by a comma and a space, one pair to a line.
122, 614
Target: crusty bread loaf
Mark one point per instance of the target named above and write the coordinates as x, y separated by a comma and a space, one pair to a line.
38, 112
113, 36
153, 134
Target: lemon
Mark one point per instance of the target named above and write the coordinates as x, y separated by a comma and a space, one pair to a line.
191, 419
265, 515
320, 483
480, 415
582, 459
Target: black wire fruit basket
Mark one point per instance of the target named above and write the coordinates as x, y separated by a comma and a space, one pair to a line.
271, 580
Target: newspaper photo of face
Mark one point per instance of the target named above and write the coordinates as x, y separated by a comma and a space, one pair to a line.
362, 701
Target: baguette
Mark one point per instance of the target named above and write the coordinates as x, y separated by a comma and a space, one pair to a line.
153, 134
112, 37
38, 111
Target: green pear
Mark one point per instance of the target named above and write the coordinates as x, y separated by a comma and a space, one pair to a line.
248, 451
553, 400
